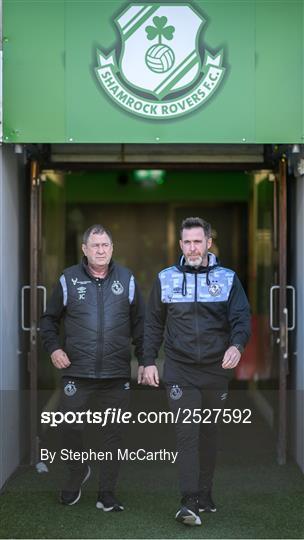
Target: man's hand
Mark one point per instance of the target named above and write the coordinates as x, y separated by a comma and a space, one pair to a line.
151, 376
231, 358
60, 359
140, 374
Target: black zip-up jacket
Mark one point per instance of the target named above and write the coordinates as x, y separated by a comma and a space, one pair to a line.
100, 318
199, 312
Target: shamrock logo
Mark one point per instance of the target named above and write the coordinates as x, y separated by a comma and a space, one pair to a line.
160, 58
160, 29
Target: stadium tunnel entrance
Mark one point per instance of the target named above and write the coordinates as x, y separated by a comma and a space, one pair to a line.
142, 195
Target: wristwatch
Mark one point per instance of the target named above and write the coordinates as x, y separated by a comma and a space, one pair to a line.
238, 347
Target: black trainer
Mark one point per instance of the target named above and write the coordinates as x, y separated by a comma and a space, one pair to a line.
107, 502
72, 493
205, 501
188, 514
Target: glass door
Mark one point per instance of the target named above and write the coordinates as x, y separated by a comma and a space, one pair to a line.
267, 353
47, 241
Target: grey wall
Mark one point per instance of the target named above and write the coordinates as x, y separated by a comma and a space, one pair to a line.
298, 359
13, 265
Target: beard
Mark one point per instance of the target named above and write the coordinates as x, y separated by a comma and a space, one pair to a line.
194, 263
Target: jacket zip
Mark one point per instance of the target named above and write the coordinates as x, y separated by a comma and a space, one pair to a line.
100, 327
196, 318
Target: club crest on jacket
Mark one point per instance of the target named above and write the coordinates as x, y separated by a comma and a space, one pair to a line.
117, 287
215, 289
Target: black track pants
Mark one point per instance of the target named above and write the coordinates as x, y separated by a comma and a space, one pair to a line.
108, 393
196, 442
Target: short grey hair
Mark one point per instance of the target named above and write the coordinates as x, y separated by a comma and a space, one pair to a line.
191, 222
95, 229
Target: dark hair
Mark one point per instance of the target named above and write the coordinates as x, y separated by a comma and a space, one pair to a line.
95, 229
191, 222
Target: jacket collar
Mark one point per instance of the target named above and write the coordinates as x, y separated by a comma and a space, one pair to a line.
84, 264
212, 263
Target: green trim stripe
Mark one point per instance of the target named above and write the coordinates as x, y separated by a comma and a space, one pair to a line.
177, 74
134, 18
139, 21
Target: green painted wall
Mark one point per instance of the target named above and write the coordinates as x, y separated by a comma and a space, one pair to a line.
178, 187
51, 92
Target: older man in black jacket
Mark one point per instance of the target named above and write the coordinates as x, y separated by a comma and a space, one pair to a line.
102, 310
202, 311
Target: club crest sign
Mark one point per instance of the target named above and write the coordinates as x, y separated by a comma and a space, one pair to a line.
160, 71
